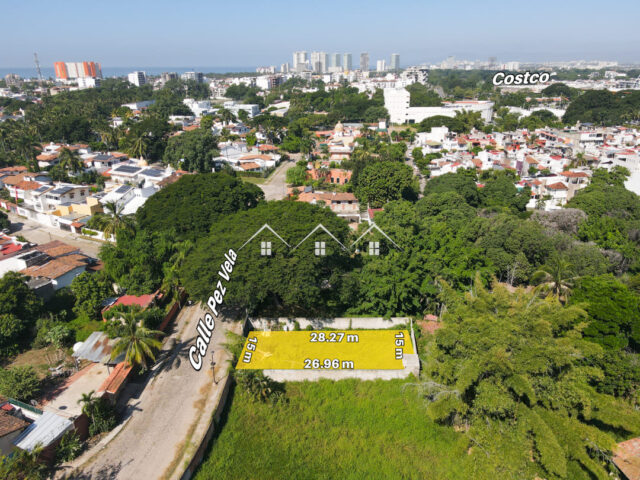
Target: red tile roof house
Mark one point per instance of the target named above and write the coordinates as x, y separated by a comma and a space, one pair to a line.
558, 192
143, 301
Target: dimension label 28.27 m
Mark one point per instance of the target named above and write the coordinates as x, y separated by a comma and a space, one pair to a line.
326, 350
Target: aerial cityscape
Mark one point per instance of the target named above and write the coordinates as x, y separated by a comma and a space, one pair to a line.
337, 241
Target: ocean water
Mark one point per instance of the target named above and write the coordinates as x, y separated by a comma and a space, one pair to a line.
107, 72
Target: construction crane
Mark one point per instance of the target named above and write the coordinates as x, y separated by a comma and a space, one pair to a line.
35, 56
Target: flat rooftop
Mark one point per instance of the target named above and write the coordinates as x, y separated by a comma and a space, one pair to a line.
66, 401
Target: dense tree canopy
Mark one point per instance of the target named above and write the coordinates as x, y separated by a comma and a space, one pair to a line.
511, 367
381, 182
613, 213
192, 151
190, 206
90, 290
603, 107
287, 282
614, 311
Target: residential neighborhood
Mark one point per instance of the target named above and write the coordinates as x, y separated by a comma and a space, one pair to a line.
278, 253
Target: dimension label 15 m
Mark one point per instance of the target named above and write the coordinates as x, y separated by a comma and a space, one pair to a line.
326, 349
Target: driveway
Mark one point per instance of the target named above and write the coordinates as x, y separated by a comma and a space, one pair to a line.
38, 233
161, 423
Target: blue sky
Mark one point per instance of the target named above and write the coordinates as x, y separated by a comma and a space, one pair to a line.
141, 33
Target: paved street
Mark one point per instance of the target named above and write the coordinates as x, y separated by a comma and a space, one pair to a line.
275, 188
161, 424
38, 233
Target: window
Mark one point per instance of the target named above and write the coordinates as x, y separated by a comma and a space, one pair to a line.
374, 248
265, 249
321, 249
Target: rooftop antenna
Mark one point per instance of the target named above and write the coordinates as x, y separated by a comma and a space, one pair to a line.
35, 56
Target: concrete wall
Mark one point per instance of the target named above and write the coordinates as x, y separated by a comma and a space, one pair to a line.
66, 279
195, 461
6, 442
342, 323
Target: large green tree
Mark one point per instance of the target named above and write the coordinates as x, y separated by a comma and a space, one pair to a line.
90, 290
190, 206
289, 280
192, 151
382, 182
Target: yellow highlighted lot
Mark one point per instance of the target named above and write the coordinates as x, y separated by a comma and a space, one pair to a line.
326, 349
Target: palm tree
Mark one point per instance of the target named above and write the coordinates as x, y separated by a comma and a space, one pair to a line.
580, 160
557, 275
70, 160
226, 115
172, 267
115, 220
138, 342
28, 148
88, 401
138, 146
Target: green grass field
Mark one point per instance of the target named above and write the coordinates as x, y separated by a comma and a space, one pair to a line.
335, 430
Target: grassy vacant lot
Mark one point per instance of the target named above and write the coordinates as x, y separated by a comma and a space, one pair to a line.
335, 430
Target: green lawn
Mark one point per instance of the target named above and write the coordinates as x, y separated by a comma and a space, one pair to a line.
256, 180
336, 430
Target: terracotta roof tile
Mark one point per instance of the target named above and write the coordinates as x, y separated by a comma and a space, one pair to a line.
10, 424
56, 248
56, 267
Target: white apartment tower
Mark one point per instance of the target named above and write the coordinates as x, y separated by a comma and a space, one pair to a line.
137, 78
318, 62
347, 62
335, 61
364, 62
395, 62
300, 61
381, 66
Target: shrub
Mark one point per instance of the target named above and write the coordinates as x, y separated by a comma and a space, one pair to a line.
20, 383
262, 388
69, 448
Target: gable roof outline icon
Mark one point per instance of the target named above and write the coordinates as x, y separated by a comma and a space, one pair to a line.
371, 227
265, 226
321, 227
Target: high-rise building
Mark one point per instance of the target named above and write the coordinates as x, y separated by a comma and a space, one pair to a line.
284, 68
381, 66
137, 78
347, 63
364, 62
300, 61
335, 60
318, 62
395, 62
72, 70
